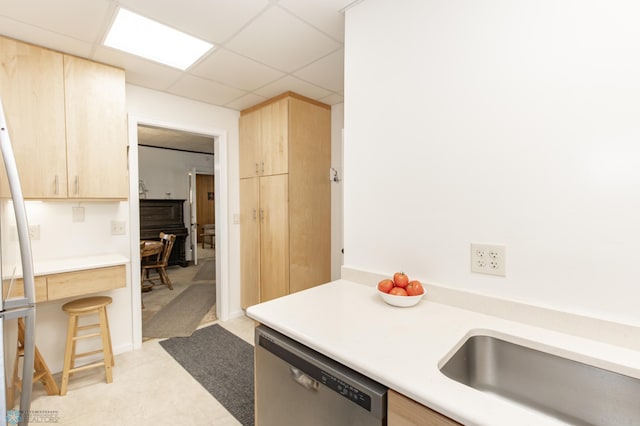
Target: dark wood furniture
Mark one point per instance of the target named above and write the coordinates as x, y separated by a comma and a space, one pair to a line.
166, 216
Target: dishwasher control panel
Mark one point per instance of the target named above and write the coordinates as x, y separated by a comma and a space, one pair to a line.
346, 390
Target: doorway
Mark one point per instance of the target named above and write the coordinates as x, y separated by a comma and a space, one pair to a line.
205, 215
213, 168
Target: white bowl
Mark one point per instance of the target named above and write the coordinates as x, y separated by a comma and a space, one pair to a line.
401, 301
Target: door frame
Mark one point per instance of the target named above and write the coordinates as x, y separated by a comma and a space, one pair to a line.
221, 185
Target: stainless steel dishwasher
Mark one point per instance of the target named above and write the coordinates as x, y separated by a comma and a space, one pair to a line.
296, 385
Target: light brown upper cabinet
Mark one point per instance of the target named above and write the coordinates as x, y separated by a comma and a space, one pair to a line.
32, 92
67, 122
285, 205
95, 111
264, 148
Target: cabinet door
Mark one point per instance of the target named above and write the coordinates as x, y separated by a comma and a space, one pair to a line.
96, 130
274, 237
249, 242
32, 91
274, 138
249, 144
402, 411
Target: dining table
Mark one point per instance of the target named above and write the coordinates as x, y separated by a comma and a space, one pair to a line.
149, 248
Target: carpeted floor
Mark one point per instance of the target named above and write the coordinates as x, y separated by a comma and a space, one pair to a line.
222, 363
156, 300
207, 271
183, 314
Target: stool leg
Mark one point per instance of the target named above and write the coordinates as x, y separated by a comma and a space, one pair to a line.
106, 321
70, 347
106, 344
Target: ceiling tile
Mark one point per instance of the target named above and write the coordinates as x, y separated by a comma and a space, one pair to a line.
332, 99
211, 20
327, 72
44, 38
282, 41
293, 84
324, 15
62, 16
235, 70
205, 90
139, 71
245, 101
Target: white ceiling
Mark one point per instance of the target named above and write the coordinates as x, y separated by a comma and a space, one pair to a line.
263, 47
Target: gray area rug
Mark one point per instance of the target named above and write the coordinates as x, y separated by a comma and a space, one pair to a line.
222, 363
207, 271
182, 315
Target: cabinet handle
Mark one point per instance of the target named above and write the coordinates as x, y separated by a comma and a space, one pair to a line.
257, 171
262, 167
261, 215
77, 185
57, 185
254, 214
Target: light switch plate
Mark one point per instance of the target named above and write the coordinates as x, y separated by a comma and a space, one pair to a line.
77, 214
34, 232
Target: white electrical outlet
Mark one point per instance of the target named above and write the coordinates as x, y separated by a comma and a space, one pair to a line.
489, 259
34, 232
118, 227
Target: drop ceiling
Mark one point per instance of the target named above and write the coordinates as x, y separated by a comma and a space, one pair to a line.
262, 47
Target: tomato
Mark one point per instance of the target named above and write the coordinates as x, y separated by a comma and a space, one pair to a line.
415, 288
398, 291
385, 286
400, 279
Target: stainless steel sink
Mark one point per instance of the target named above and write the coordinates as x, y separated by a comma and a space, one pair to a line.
571, 391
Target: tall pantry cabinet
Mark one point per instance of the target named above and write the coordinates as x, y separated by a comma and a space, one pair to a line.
285, 197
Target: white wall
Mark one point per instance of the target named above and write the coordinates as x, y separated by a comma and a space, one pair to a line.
165, 170
502, 122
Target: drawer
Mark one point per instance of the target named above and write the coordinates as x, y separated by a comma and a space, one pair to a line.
80, 283
18, 288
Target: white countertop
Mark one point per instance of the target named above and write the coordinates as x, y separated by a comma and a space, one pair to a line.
76, 263
403, 348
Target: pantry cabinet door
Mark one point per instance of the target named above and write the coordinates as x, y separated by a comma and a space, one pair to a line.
96, 130
274, 122
249, 242
32, 92
249, 144
274, 237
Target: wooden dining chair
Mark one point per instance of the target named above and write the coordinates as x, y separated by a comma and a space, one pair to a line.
158, 263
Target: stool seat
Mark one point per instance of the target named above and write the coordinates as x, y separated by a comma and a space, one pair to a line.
96, 305
87, 304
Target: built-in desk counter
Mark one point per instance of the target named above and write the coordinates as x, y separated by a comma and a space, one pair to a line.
77, 276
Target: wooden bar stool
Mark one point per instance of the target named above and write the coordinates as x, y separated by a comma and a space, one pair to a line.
75, 309
41, 370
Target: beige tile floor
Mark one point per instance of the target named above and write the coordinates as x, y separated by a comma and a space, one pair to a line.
149, 388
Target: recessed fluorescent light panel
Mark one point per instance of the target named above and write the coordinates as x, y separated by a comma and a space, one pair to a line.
144, 37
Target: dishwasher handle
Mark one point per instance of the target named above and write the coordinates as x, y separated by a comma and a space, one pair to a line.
304, 380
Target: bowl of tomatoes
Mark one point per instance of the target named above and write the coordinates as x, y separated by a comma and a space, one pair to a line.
400, 291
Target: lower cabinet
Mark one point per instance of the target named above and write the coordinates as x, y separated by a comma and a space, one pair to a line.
403, 411
264, 236
71, 284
